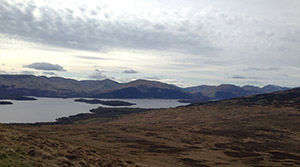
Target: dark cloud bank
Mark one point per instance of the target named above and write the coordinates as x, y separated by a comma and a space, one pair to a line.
45, 66
130, 71
106, 31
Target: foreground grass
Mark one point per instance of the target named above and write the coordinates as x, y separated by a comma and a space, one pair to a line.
193, 136
22, 150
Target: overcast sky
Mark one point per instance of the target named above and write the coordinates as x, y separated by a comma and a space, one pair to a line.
183, 42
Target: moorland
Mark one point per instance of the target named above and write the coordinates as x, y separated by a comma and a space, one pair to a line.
259, 130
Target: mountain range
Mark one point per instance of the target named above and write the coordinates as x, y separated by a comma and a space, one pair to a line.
226, 91
41, 86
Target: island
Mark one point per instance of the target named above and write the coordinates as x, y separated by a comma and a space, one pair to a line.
192, 101
16, 97
100, 114
5, 103
108, 103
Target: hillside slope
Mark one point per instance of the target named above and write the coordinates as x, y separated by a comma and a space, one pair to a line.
42, 86
260, 130
146, 89
20, 150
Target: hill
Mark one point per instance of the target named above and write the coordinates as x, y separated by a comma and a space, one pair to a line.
41, 86
19, 150
273, 101
146, 89
227, 91
259, 130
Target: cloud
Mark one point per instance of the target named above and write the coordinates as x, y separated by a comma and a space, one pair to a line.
176, 82
90, 57
17, 73
130, 71
97, 75
109, 29
238, 77
124, 79
262, 69
153, 78
244, 77
73, 42
202, 32
27, 72
195, 40
45, 66
49, 73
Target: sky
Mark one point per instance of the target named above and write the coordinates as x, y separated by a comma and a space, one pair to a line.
181, 42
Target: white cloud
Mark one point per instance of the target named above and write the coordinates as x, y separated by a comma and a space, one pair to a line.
73, 42
262, 69
97, 75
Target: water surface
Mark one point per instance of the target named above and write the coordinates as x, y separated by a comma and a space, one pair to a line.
48, 109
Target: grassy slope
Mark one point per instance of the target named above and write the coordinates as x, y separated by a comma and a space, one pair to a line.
21, 150
254, 131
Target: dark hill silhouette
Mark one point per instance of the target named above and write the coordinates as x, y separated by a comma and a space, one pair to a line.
41, 86
227, 91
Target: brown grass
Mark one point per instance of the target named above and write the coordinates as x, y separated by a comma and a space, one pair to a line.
228, 133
